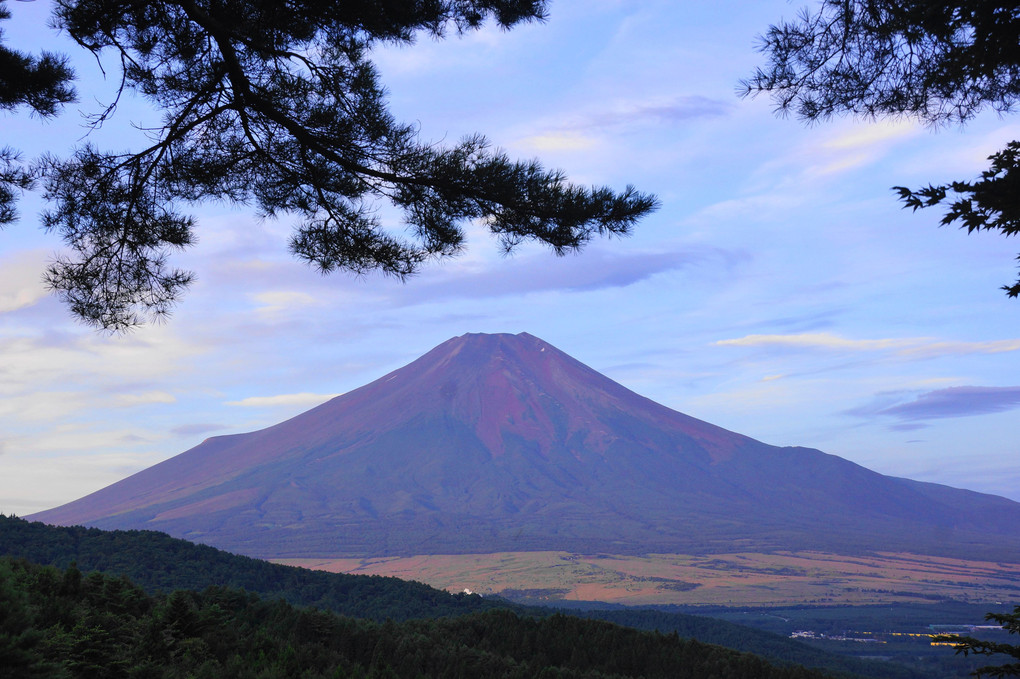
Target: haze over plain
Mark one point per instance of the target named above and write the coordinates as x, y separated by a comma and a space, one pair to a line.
780, 291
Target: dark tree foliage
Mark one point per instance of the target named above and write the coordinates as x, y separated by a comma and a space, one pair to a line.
157, 562
939, 61
14, 179
107, 627
990, 203
42, 84
967, 645
278, 105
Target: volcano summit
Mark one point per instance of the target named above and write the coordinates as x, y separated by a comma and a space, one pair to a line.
495, 443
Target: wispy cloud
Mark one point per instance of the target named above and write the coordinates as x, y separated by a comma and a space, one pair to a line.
585, 130
275, 302
481, 274
196, 429
873, 134
942, 403
77, 476
74, 437
302, 399
823, 157
678, 110
594, 269
760, 206
858, 146
560, 141
813, 340
910, 426
146, 398
42, 406
918, 347
958, 402
21, 282
49, 356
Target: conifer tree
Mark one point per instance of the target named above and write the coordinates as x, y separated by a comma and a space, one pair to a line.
278, 106
937, 61
966, 645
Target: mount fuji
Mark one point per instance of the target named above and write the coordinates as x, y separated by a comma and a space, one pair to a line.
501, 442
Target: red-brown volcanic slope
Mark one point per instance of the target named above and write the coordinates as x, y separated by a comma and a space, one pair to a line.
504, 443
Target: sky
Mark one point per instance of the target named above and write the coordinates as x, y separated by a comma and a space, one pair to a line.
780, 291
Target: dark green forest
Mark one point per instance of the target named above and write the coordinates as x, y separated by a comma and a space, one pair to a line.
155, 561
62, 623
159, 563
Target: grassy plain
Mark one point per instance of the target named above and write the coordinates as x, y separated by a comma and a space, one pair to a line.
744, 579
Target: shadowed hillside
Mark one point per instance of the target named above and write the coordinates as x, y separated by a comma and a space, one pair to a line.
159, 563
59, 624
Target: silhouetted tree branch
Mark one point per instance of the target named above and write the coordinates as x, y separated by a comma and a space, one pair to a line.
43, 85
278, 106
938, 61
967, 645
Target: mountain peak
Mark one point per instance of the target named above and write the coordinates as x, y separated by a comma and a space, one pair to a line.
501, 442
488, 347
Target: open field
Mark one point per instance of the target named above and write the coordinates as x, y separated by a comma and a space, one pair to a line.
747, 579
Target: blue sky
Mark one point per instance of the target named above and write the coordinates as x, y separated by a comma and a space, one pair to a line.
779, 292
